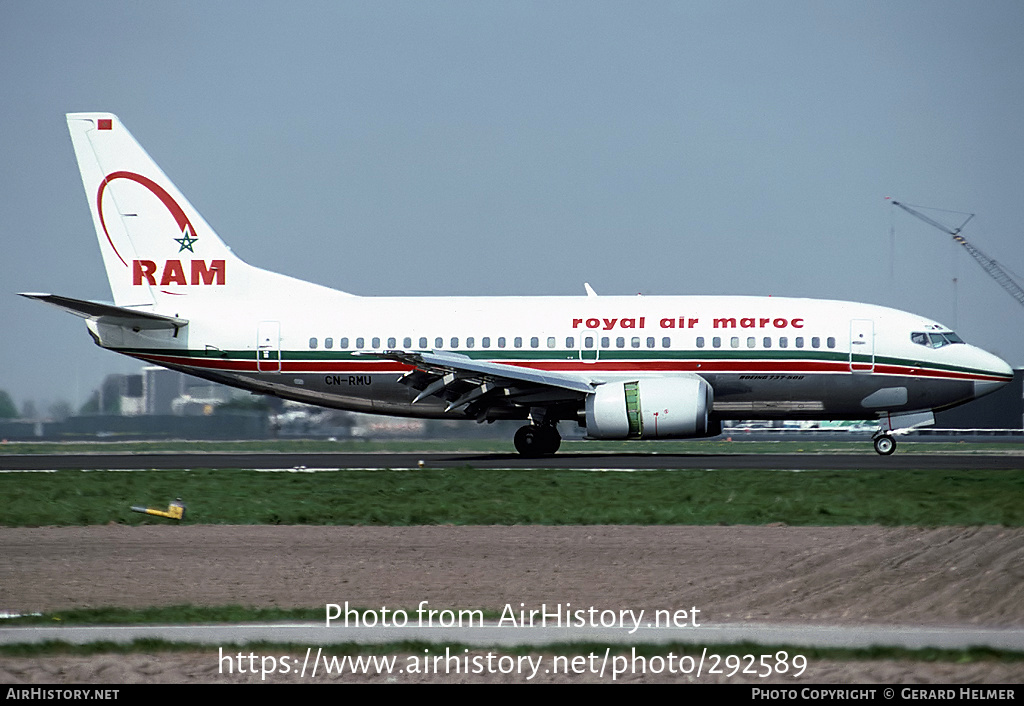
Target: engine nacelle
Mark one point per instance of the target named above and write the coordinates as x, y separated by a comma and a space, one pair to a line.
651, 408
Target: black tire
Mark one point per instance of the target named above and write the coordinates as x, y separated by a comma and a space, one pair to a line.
529, 441
885, 445
532, 441
550, 440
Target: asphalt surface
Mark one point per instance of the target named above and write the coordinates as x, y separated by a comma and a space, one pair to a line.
569, 461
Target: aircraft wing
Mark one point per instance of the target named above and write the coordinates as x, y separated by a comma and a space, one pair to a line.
462, 381
110, 314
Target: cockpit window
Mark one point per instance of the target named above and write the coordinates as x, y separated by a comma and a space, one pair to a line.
935, 340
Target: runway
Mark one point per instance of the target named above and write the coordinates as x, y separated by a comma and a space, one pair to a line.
564, 461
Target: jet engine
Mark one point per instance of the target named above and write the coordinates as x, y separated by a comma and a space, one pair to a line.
652, 408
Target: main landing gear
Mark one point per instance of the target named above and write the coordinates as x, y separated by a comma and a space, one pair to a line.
533, 440
884, 444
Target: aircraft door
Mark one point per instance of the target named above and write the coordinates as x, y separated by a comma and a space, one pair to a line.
589, 350
862, 345
268, 347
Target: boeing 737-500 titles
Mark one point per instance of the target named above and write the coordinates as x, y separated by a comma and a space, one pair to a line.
638, 367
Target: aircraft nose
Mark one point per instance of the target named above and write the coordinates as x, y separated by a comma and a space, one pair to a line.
1001, 373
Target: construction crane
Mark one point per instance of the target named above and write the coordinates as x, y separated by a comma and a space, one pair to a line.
988, 264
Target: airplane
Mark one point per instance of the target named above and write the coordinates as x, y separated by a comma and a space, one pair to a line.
622, 367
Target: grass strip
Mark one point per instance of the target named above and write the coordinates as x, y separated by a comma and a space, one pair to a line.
193, 614
464, 496
419, 648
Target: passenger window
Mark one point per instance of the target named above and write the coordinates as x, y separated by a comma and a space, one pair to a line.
501, 342
328, 343
650, 341
620, 342
518, 342
312, 343
569, 342
666, 342
375, 343
830, 342
470, 342
815, 342
700, 341
455, 341
716, 341
551, 341
392, 343
360, 342
438, 342
423, 342
588, 342
734, 341
534, 342
343, 343
751, 341
406, 342
485, 342
635, 342
799, 341
605, 342
783, 342
767, 342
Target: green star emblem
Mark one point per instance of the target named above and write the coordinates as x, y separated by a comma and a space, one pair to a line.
186, 240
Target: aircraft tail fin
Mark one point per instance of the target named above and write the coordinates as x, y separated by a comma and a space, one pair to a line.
158, 251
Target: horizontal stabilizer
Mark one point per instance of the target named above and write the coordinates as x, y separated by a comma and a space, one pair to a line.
110, 314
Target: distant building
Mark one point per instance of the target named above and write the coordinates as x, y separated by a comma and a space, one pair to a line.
133, 398
170, 392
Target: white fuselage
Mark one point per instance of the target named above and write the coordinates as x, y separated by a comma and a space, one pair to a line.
764, 357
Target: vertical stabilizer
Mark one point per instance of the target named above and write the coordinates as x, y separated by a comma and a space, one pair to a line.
156, 247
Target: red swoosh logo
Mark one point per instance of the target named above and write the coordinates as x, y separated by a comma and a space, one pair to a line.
179, 216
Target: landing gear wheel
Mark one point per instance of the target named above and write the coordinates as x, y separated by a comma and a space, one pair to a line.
550, 439
532, 441
528, 441
885, 444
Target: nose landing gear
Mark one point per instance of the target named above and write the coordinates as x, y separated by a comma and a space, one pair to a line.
884, 444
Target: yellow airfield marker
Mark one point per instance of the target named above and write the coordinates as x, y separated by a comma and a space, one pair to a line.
174, 511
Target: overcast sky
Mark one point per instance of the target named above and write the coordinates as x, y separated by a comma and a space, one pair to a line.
526, 147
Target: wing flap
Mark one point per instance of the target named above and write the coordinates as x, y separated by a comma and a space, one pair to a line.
442, 363
482, 388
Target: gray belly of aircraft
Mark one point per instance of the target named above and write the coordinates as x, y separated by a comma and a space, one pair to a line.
736, 395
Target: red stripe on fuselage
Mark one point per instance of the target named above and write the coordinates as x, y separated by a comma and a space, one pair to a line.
575, 366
